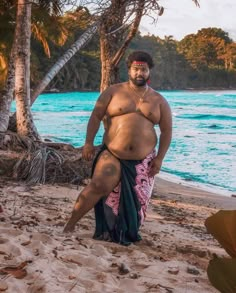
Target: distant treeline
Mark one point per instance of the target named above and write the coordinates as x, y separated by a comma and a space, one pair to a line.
205, 60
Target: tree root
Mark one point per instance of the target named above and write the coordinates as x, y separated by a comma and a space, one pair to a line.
41, 162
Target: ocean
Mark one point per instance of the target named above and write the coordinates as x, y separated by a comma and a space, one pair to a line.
203, 148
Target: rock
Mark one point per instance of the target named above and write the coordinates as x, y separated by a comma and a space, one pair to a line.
134, 276
192, 271
173, 270
124, 269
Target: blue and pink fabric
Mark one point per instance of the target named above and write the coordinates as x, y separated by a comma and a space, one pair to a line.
120, 214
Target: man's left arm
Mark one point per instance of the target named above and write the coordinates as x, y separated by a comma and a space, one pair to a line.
165, 126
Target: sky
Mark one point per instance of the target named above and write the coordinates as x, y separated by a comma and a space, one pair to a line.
183, 17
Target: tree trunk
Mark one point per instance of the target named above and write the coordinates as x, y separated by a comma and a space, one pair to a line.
84, 39
113, 48
24, 118
6, 96
107, 72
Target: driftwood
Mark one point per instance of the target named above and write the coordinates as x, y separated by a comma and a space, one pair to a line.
42, 162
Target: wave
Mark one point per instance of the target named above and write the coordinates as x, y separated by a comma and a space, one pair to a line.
215, 126
206, 117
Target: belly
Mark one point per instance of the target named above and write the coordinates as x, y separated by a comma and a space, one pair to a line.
130, 136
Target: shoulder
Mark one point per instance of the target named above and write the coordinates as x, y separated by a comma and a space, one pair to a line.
115, 87
157, 96
160, 101
109, 92
118, 86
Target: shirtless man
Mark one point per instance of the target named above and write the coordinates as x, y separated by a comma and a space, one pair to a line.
124, 169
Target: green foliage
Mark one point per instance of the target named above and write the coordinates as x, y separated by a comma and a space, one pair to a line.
206, 49
82, 72
203, 60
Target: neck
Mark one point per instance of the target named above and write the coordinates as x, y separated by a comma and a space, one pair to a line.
137, 87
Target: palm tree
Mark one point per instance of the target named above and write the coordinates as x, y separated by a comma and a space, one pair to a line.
7, 14
24, 118
82, 40
114, 38
40, 21
111, 27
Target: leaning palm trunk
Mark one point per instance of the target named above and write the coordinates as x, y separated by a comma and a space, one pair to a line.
84, 39
24, 118
6, 96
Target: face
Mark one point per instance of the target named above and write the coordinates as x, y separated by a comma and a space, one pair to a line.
139, 73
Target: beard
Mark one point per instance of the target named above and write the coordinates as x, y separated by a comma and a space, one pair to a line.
139, 80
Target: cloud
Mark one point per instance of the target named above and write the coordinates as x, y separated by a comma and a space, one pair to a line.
183, 17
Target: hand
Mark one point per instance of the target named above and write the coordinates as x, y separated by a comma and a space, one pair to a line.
154, 167
88, 152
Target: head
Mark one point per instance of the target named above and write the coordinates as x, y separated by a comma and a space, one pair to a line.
139, 64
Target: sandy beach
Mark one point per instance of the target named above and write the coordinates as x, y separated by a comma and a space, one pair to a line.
172, 257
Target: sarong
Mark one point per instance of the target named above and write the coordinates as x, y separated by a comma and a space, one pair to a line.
119, 215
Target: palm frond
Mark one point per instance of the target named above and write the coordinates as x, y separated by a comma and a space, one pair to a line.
3, 62
40, 35
50, 26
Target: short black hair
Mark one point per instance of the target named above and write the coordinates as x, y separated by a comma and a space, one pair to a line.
140, 56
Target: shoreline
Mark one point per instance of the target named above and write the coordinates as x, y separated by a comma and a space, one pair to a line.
172, 256
161, 90
213, 128
194, 184
190, 193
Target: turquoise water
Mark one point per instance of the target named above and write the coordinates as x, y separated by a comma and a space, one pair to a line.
203, 148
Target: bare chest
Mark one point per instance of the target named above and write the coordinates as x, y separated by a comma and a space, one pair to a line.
147, 107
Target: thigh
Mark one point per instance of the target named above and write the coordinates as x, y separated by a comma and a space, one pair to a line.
106, 174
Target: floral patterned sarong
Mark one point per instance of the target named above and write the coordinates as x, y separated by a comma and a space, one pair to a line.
120, 214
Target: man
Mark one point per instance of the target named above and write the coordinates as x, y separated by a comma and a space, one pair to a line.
123, 171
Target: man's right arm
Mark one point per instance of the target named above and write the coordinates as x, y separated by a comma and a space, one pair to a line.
96, 117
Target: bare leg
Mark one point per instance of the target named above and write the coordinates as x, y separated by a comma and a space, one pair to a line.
86, 200
105, 178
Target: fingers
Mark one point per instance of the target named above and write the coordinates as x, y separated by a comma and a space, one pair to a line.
153, 171
88, 152
154, 168
88, 155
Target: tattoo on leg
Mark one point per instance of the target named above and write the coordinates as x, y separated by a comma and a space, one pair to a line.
109, 170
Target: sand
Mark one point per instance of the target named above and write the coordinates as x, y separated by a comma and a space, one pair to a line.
35, 256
